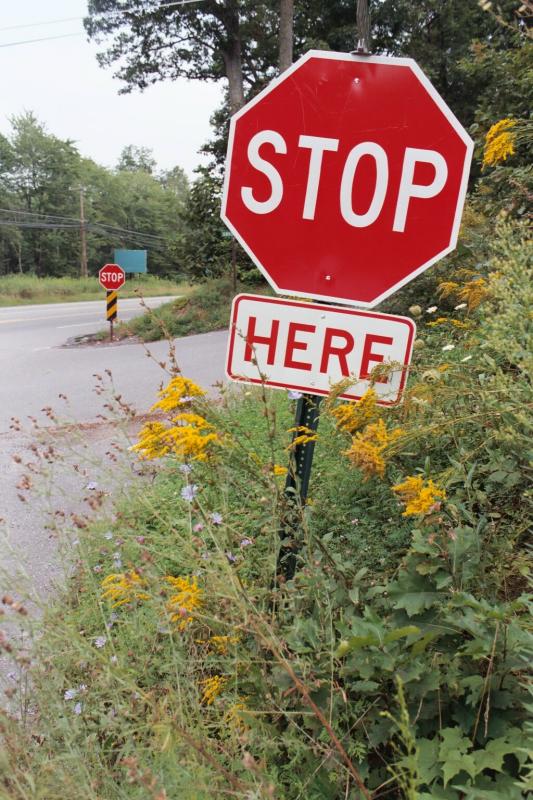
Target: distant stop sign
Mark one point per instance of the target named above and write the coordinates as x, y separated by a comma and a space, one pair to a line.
346, 177
111, 276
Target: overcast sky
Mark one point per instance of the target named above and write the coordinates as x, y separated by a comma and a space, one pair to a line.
61, 82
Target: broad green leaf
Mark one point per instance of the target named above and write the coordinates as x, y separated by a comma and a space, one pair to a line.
456, 764
400, 633
415, 602
428, 769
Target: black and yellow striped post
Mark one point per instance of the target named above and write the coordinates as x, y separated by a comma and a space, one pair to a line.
111, 310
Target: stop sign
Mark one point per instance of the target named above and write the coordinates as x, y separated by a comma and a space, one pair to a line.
346, 177
111, 276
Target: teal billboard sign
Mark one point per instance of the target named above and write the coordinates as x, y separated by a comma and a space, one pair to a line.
132, 260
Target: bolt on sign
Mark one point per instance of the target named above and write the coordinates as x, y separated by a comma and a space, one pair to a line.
346, 177
309, 347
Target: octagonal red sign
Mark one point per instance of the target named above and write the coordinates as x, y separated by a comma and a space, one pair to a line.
111, 276
346, 177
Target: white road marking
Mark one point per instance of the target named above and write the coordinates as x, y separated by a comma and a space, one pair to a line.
77, 324
49, 317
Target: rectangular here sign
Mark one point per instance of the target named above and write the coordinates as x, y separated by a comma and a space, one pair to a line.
310, 347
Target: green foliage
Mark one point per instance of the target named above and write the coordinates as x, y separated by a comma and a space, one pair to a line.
204, 308
28, 289
40, 181
402, 644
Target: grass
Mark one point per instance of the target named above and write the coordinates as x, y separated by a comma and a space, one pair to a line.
118, 706
18, 290
137, 686
205, 308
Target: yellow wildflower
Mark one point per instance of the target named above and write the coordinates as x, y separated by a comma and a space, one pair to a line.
499, 143
222, 643
234, 716
351, 417
152, 442
190, 438
185, 601
446, 288
179, 392
473, 292
124, 587
368, 448
277, 469
306, 435
212, 688
418, 496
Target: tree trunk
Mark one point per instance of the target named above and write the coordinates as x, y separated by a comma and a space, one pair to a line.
232, 55
232, 61
286, 24
363, 27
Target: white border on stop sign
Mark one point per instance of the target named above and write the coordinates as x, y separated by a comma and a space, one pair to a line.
438, 100
273, 316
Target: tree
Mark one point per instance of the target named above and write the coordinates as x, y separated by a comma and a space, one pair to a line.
213, 40
133, 159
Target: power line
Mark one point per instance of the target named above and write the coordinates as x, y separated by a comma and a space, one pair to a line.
77, 19
72, 223
44, 39
38, 24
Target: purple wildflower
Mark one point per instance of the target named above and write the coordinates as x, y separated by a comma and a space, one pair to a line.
100, 642
70, 694
246, 542
216, 518
198, 527
186, 469
189, 492
78, 708
231, 558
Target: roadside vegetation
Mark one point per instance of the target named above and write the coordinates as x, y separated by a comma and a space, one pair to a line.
177, 663
18, 290
205, 307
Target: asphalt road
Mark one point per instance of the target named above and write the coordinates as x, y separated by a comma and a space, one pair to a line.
38, 372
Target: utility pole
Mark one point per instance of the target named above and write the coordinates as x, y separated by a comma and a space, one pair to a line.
83, 237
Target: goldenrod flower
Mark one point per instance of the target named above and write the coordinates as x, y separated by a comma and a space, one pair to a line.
187, 599
350, 417
222, 643
277, 470
419, 496
234, 716
499, 143
473, 292
212, 688
189, 438
368, 448
179, 392
305, 435
124, 587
